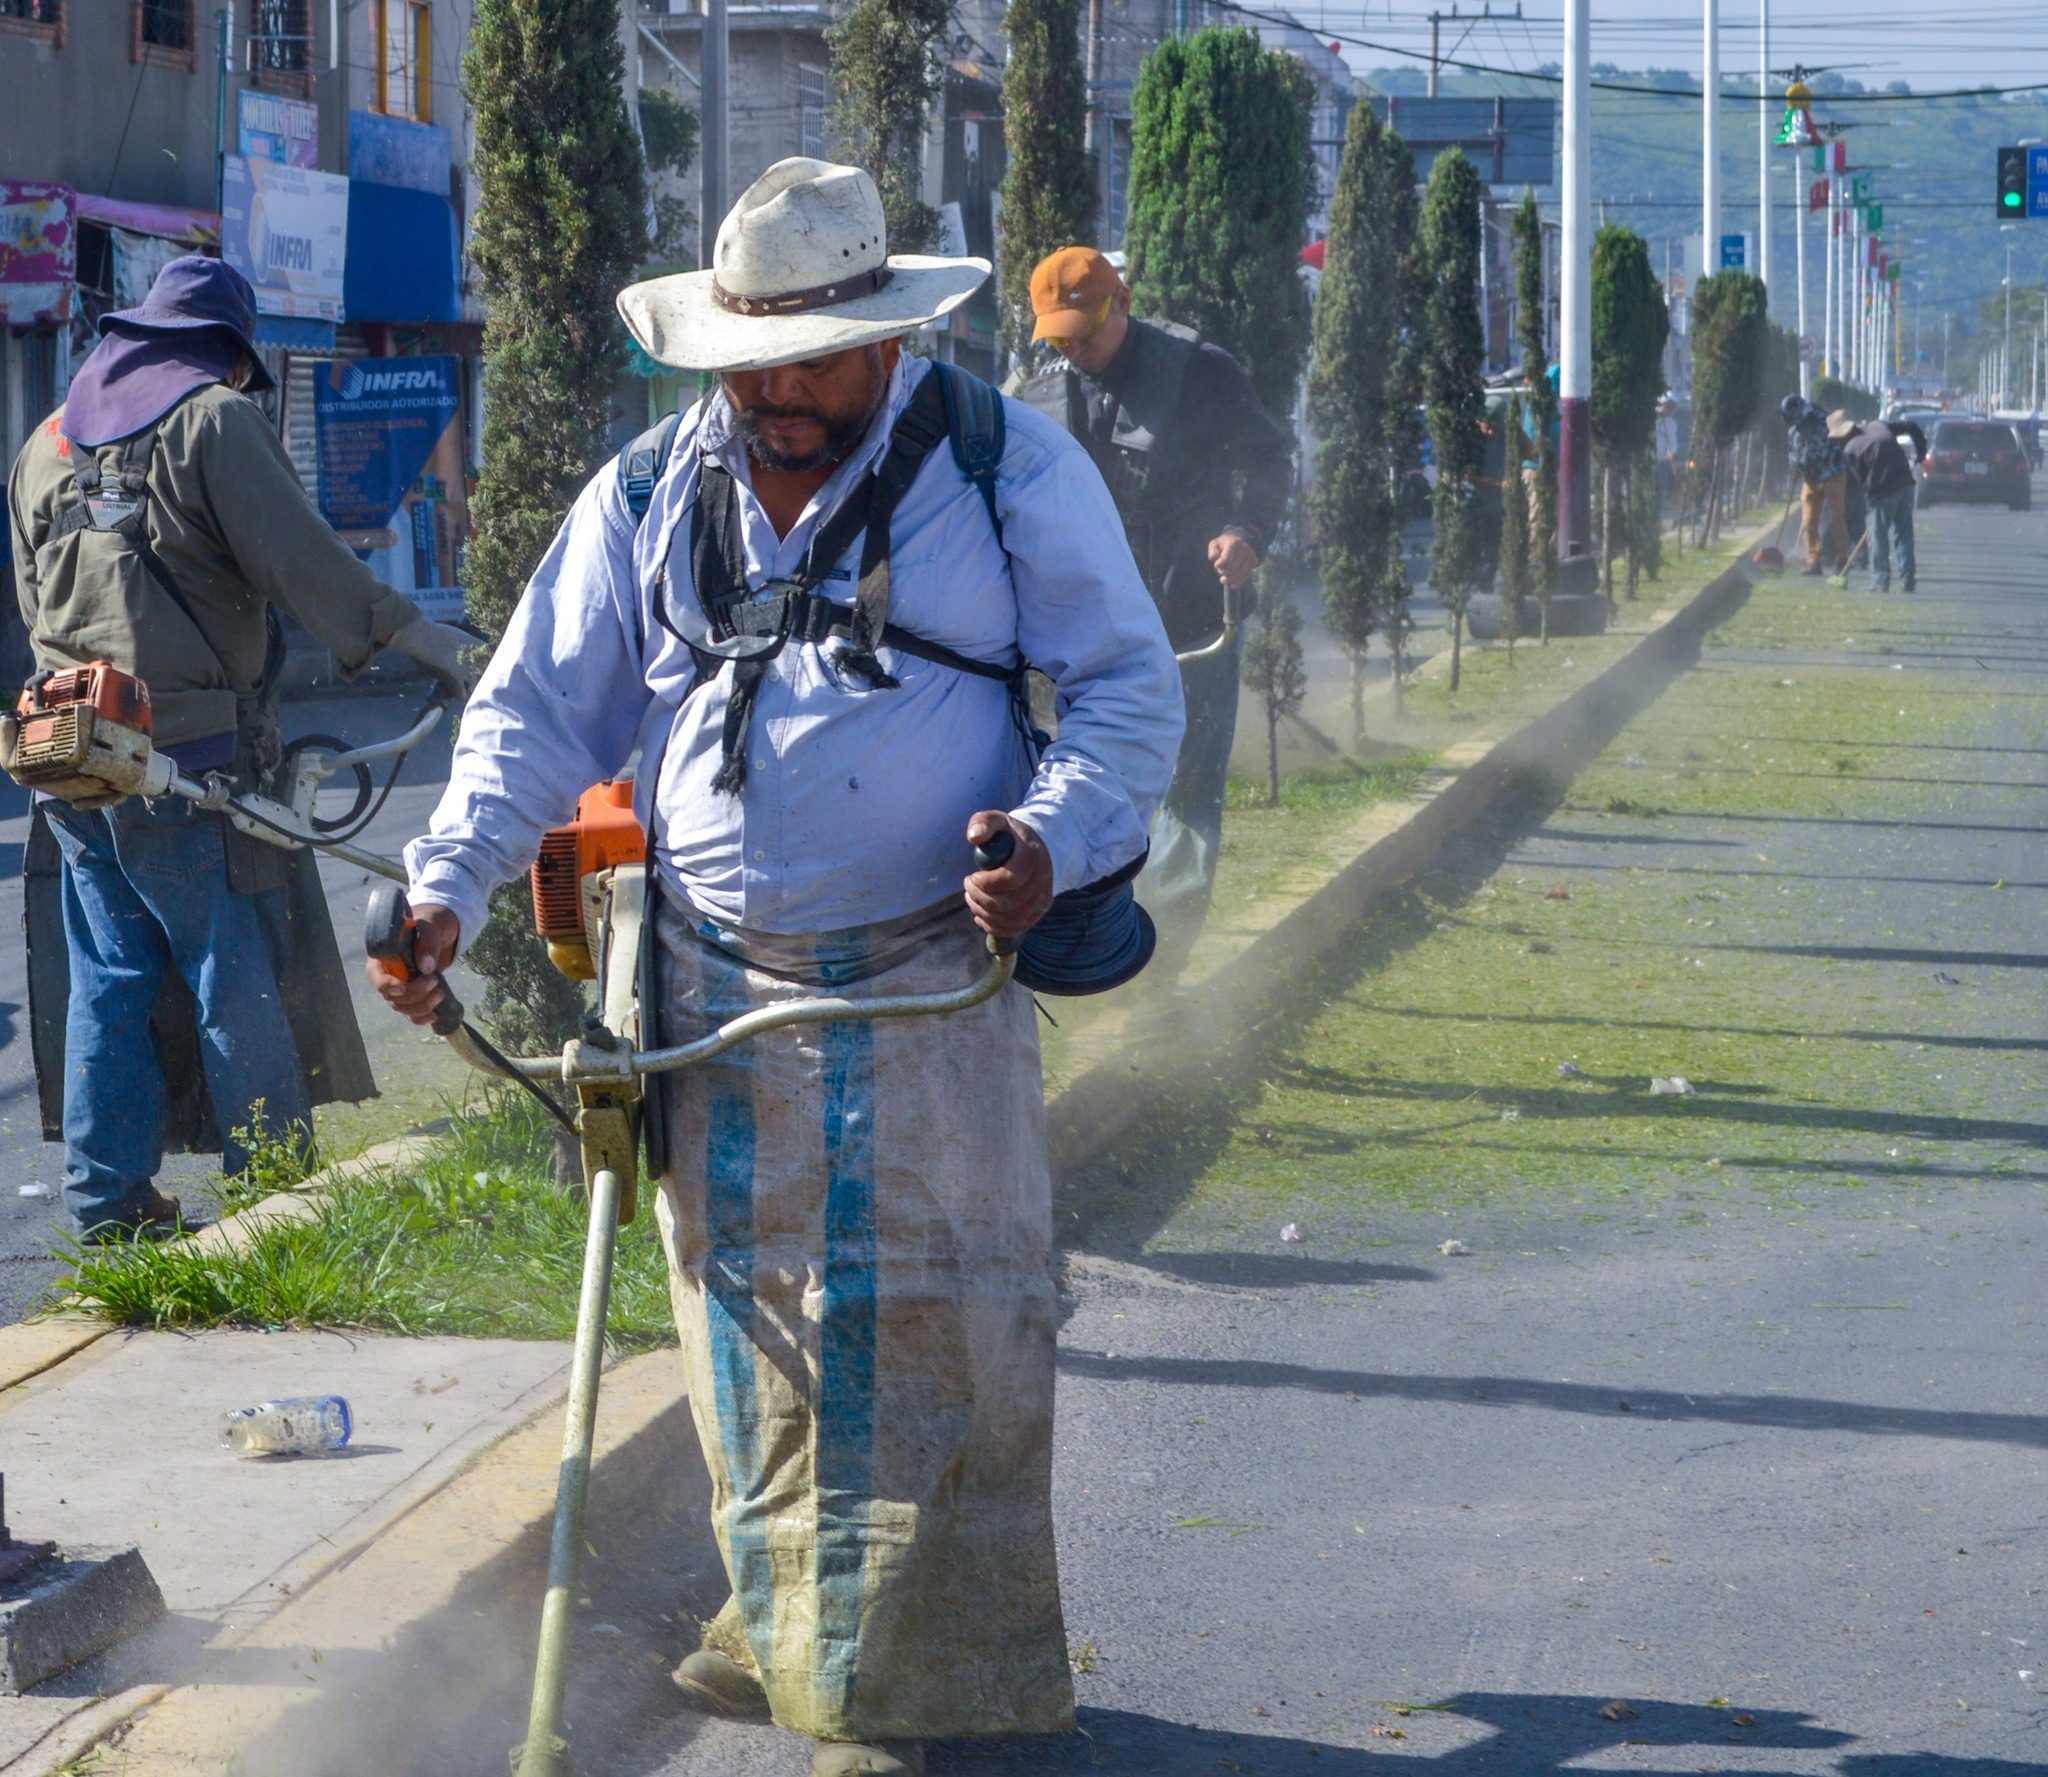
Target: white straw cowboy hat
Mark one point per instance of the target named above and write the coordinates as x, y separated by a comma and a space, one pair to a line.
802, 268
1842, 424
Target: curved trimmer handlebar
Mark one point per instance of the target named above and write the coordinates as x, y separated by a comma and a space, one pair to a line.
390, 935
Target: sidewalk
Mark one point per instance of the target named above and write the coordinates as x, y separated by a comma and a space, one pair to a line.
342, 1616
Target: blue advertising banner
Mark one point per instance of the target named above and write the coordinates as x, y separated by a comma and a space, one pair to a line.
388, 435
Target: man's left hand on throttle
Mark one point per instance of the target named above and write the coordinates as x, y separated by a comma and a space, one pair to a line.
1009, 900
1233, 559
441, 650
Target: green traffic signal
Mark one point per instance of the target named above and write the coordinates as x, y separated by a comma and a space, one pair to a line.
2012, 182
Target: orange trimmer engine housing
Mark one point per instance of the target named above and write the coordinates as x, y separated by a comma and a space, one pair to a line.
573, 872
83, 733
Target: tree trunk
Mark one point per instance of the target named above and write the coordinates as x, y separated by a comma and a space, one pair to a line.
1358, 699
1457, 645
1607, 530
1272, 757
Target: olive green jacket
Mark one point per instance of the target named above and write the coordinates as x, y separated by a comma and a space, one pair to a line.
230, 521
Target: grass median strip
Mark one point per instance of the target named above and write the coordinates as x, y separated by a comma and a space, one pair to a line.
1712, 898
475, 1240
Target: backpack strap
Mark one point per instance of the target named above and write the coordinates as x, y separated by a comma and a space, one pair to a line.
975, 423
641, 464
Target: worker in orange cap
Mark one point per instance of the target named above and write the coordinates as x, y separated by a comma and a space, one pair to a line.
1200, 473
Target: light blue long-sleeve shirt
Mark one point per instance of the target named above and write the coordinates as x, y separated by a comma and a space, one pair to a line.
856, 799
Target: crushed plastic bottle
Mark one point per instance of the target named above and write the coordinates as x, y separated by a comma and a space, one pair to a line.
309, 1425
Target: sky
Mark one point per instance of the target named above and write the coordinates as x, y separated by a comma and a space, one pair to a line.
1928, 43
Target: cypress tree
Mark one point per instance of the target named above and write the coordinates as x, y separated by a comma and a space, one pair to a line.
1453, 371
1531, 322
1630, 326
1049, 185
1219, 200
1275, 670
1730, 338
886, 70
1359, 399
559, 227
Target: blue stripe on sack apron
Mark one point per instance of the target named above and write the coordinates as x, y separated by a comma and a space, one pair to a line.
729, 1292
846, 1333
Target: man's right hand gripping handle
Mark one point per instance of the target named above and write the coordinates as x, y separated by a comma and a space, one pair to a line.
407, 952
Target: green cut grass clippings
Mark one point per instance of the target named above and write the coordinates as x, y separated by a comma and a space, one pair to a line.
475, 1240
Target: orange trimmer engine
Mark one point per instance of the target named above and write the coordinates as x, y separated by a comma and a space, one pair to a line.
573, 873
81, 733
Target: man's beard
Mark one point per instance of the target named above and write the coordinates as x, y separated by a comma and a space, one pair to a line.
841, 436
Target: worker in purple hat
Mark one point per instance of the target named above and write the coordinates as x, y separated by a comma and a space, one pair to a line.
158, 524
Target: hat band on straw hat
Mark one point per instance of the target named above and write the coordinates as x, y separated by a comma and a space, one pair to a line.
796, 302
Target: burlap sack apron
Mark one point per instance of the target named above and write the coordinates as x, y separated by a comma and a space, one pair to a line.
858, 1224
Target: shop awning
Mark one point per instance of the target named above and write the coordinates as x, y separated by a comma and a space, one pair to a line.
166, 222
404, 260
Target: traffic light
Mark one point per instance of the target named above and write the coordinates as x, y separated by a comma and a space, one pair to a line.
2012, 184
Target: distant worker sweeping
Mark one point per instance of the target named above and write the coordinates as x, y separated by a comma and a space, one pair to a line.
1200, 473
813, 641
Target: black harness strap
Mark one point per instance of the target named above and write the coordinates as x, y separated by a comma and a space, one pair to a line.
792, 610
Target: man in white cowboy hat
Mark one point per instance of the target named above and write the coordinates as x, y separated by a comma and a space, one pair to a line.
812, 644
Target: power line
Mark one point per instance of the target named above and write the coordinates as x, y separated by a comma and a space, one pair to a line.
1726, 96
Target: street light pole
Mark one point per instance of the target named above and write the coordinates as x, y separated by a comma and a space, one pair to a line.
2005, 347
712, 134
1799, 189
1575, 306
1710, 144
1763, 146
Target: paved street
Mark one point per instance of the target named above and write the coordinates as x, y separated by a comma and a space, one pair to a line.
1753, 1455
28, 1225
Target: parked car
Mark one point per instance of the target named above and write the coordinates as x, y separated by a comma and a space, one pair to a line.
1980, 460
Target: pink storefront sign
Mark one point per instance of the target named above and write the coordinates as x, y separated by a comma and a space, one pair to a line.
38, 252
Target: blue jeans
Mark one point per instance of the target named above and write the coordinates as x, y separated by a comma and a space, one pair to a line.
1891, 518
145, 891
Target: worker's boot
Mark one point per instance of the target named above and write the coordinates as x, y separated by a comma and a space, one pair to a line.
887, 1758
711, 1681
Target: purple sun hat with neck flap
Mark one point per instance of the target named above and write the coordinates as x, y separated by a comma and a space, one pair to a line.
195, 326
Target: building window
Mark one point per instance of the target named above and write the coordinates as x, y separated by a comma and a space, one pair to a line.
164, 31
404, 40
34, 18
810, 111
281, 43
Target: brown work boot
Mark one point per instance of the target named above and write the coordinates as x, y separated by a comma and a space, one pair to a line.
888, 1758
711, 1681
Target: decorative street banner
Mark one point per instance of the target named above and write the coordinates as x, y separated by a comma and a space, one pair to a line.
38, 252
285, 229
1817, 198
278, 129
388, 433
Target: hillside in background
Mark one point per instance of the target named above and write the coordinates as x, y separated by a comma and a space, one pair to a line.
1933, 165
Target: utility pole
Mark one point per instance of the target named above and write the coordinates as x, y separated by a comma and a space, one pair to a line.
1799, 190
1101, 131
224, 23
1435, 19
1575, 317
1763, 146
1710, 145
712, 129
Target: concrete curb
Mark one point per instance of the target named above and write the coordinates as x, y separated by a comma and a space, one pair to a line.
1113, 1091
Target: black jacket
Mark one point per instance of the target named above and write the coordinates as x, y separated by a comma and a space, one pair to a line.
1878, 461
1189, 453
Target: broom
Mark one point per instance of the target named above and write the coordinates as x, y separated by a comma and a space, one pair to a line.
1770, 555
1841, 576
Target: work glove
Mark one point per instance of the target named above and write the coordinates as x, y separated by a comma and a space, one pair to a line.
442, 651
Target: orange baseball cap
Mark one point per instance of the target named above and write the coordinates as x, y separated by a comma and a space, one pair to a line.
1070, 293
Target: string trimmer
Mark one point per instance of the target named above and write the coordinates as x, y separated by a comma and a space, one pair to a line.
606, 1070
